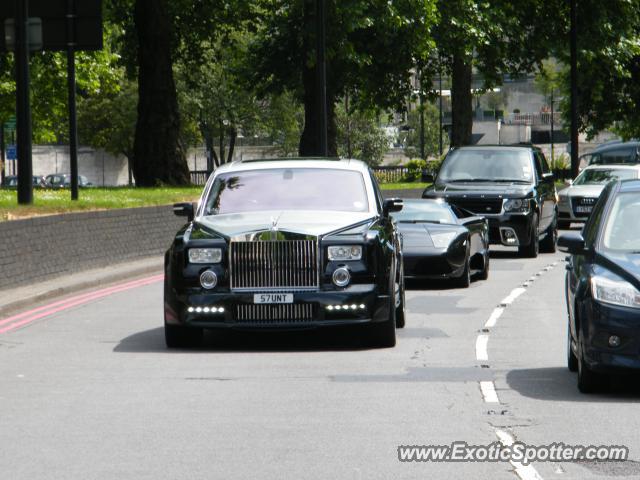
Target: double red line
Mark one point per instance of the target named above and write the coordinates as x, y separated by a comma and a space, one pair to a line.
25, 318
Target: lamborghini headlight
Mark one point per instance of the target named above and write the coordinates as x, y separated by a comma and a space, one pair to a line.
442, 239
615, 291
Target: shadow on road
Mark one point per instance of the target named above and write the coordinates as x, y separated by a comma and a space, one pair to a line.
152, 341
559, 384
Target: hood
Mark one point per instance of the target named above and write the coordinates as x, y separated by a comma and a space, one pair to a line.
473, 189
312, 223
418, 235
593, 191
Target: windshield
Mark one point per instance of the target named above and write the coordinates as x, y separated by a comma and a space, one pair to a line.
619, 155
600, 177
622, 232
425, 212
287, 189
484, 164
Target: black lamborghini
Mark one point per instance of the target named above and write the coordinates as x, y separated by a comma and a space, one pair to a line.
441, 241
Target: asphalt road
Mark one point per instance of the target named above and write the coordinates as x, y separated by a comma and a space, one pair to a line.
91, 392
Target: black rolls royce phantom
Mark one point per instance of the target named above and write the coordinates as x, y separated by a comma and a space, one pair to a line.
286, 244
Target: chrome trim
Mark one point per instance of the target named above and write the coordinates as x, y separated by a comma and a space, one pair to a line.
276, 313
274, 265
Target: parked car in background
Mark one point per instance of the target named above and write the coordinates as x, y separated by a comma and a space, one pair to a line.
577, 200
292, 244
439, 241
615, 153
603, 288
11, 181
512, 186
64, 181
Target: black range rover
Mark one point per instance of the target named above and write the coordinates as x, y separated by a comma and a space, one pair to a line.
512, 186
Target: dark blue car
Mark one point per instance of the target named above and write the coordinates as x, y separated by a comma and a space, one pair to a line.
603, 288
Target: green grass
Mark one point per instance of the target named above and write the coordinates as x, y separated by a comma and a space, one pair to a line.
403, 186
51, 202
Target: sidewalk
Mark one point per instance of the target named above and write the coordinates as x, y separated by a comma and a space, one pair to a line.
12, 300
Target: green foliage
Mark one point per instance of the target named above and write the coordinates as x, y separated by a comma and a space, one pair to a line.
561, 162
431, 132
415, 167
360, 136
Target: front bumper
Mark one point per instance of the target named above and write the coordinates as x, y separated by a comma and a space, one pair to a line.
565, 213
518, 223
440, 263
599, 323
376, 309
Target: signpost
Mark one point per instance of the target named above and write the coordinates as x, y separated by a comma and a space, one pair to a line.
50, 25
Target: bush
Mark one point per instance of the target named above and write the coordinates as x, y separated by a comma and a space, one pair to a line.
561, 162
415, 167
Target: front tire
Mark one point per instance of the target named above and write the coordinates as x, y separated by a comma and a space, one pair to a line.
400, 309
548, 245
588, 380
572, 360
531, 250
464, 281
484, 273
182, 337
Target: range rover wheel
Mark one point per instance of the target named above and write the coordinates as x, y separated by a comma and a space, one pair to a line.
531, 250
588, 380
548, 245
182, 337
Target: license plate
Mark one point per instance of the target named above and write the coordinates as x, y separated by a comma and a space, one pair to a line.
584, 209
273, 298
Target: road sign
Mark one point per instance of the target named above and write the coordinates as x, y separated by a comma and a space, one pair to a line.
12, 152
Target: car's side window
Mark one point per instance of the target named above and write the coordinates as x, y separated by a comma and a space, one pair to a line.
376, 190
538, 165
543, 161
590, 230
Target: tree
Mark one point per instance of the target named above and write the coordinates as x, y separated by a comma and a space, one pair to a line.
492, 38
359, 135
431, 132
371, 48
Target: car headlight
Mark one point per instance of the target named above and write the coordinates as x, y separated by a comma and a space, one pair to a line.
345, 252
205, 255
442, 239
615, 292
563, 200
516, 205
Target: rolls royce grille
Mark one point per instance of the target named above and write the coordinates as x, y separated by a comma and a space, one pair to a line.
480, 206
284, 313
282, 265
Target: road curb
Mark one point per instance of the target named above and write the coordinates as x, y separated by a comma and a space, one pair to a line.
12, 301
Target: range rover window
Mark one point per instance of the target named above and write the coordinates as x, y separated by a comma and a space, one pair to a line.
483, 164
286, 189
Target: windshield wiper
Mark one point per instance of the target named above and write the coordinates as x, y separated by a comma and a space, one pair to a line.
419, 221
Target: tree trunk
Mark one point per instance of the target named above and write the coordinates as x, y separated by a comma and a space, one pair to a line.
233, 135
309, 145
159, 156
461, 102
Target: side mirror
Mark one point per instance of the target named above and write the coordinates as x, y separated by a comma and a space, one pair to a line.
568, 183
391, 205
548, 177
572, 243
184, 210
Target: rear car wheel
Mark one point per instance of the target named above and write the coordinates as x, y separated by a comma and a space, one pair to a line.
548, 245
531, 250
572, 360
182, 337
484, 273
